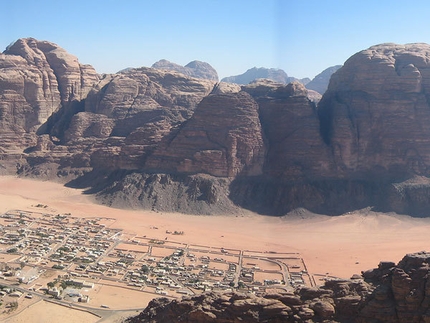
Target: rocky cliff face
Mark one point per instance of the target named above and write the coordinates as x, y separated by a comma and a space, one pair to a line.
124, 117
254, 73
202, 145
140, 106
60, 70
255, 139
402, 292
138, 96
196, 69
290, 124
373, 120
60, 120
387, 294
375, 113
37, 79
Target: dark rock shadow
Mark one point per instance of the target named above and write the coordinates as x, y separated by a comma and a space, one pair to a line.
332, 197
97, 180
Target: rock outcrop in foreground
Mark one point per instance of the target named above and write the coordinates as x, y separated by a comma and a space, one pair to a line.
387, 294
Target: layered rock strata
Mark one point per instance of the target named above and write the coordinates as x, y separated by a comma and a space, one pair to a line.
290, 124
37, 79
223, 138
373, 120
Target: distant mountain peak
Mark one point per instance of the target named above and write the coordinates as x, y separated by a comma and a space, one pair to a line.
320, 82
195, 68
274, 74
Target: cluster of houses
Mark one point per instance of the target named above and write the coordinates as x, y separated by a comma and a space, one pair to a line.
54, 239
86, 251
184, 273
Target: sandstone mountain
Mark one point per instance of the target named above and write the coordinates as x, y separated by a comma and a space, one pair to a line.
38, 78
196, 69
289, 121
274, 74
387, 294
162, 140
73, 121
320, 82
375, 113
236, 136
202, 146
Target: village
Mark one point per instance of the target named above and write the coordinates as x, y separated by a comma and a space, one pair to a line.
87, 262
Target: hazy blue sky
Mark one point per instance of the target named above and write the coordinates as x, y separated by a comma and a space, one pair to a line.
301, 37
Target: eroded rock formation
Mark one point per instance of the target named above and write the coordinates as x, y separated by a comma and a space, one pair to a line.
37, 79
375, 113
374, 121
204, 146
291, 127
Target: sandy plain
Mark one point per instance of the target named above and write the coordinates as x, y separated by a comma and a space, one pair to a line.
45, 312
338, 246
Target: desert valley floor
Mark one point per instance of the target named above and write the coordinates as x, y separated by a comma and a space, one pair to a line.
336, 246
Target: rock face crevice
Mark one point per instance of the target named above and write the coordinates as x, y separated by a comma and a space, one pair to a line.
290, 124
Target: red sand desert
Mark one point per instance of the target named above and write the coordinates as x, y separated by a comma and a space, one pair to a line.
341, 245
